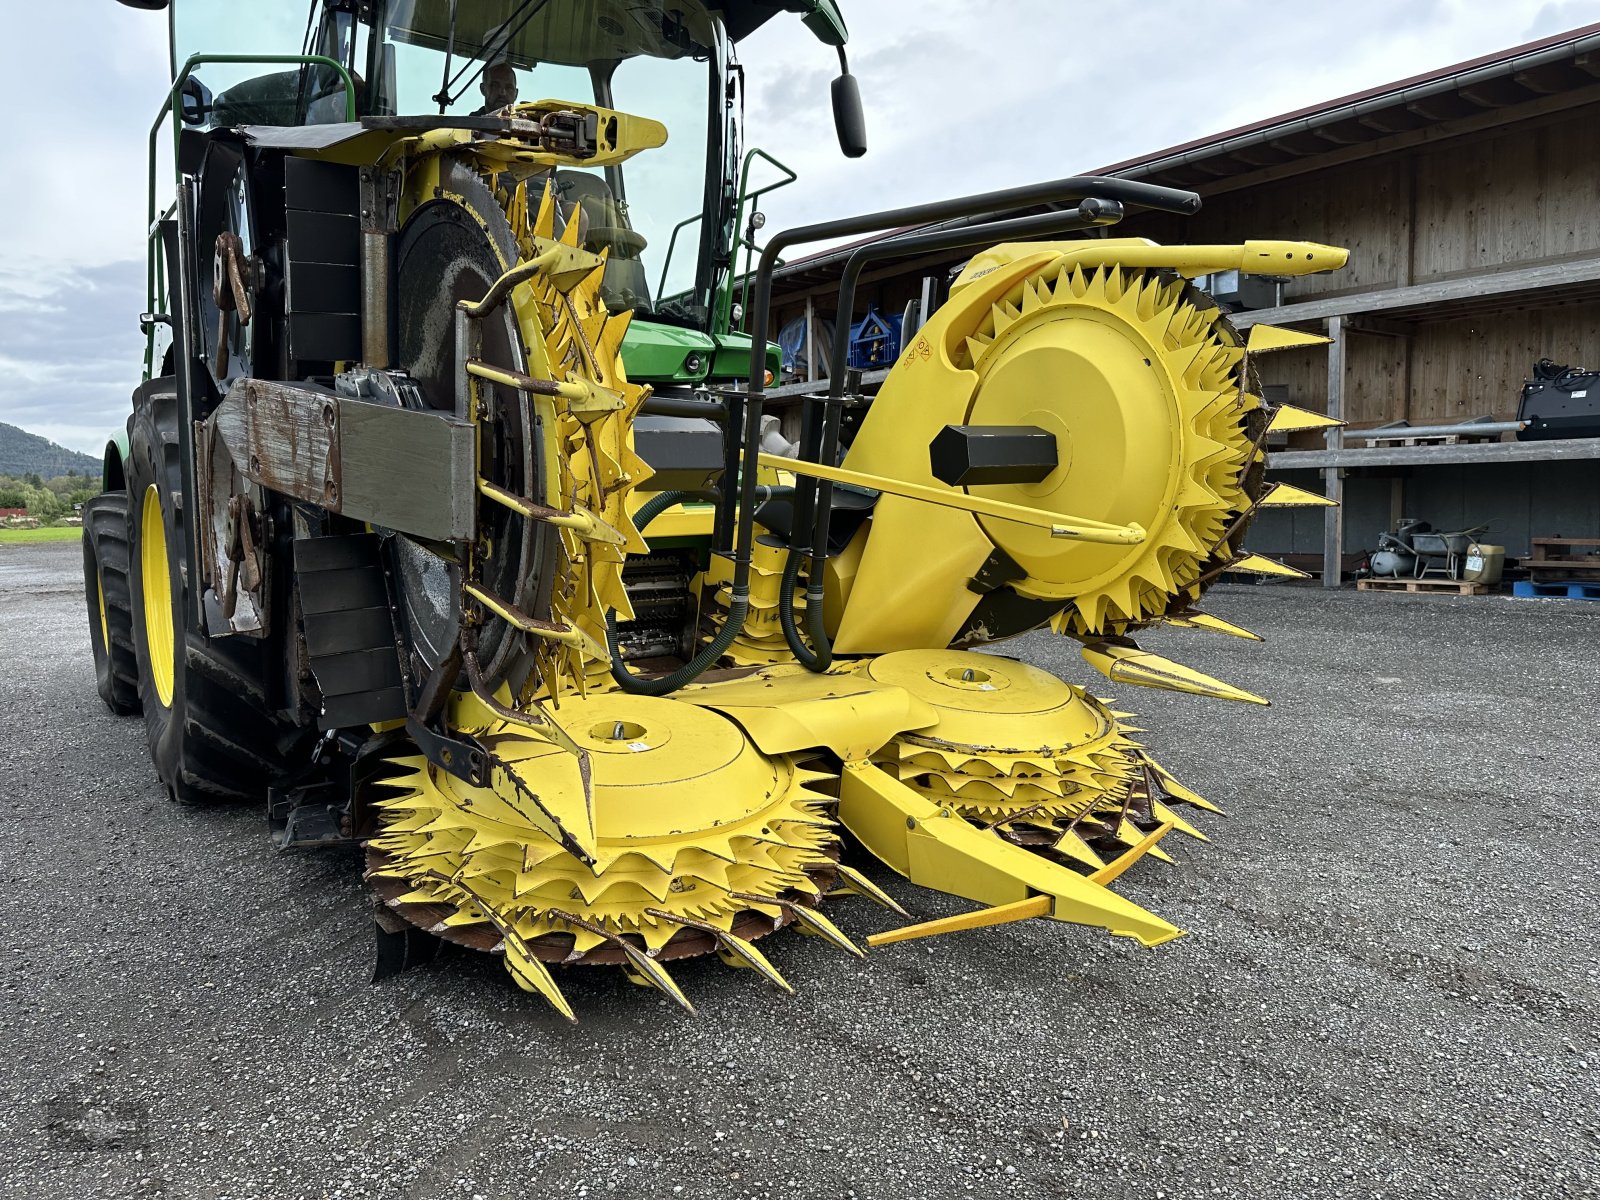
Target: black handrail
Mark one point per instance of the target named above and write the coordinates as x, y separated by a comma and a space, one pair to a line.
735, 523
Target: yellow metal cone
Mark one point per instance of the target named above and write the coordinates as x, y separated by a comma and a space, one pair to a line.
1289, 419
1200, 620
1129, 664
1256, 564
1285, 495
1266, 338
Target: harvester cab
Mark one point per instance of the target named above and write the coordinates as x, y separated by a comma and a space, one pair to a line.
448, 522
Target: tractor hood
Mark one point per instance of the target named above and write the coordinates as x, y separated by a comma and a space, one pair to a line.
655, 353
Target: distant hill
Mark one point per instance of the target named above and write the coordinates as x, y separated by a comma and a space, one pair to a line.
23, 453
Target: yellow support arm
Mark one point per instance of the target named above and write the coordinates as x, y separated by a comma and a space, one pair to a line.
1078, 528
935, 847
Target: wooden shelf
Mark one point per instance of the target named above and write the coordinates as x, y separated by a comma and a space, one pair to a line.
1554, 450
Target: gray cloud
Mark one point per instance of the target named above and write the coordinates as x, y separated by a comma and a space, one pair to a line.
71, 354
958, 101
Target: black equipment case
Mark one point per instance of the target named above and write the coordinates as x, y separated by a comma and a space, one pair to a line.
1559, 402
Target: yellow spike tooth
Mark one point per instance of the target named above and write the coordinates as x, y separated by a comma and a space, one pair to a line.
544, 224
1263, 339
569, 235
864, 886
1286, 418
1181, 792
811, 921
1131, 665
1256, 564
1200, 620
1075, 848
655, 975
609, 345
1167, 817
737, 952
1284, 495
531, 975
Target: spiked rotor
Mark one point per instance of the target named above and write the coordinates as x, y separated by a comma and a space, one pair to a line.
1017, 750
1149, 420
703, 845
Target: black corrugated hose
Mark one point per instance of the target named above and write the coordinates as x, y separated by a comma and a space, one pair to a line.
738, 609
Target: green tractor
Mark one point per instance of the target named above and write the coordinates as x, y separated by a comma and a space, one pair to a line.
444, 525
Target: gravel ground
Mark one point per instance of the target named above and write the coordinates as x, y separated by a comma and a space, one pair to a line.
1389, 987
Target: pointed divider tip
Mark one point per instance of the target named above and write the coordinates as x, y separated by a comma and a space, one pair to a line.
1264, 339
1131, 665
737, 952
856, 882
1285, 495
1200, 620
1286, 418
1256, 564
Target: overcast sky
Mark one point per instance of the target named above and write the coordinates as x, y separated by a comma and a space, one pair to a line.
959, 97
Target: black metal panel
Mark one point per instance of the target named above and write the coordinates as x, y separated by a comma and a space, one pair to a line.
333, 553
362, 708
324, 237
324, 287
340, 632
324, 187
971, 455
349, 629
684, 452
358, 671
1560, 403
340, 591
325, 337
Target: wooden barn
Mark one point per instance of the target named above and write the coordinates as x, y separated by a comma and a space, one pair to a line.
1469, 199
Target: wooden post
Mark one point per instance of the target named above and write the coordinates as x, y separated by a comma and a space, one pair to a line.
1333, 477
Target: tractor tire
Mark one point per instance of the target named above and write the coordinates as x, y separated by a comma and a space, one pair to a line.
211, 734
106, 588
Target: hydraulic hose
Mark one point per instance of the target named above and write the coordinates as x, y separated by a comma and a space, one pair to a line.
738, 608
822, 658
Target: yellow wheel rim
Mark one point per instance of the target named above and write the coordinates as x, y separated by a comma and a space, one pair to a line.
153, 572
105, 629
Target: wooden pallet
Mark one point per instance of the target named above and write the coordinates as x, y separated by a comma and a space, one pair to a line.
1447, 587
1570, 589
1444, 439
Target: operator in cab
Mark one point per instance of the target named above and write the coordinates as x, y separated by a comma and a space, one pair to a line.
499, 87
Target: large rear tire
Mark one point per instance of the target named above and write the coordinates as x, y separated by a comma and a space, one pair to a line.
211, 733
107, 590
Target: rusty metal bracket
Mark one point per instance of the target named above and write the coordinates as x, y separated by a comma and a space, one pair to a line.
349, 456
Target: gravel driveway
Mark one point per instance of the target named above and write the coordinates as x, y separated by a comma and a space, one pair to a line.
1389, 987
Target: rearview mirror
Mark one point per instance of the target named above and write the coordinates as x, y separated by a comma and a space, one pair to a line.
147, 5
194, 102
848, 118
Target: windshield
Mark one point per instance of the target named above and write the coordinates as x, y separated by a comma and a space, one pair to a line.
660, 59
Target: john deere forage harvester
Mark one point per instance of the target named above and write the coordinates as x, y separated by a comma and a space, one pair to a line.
444, 522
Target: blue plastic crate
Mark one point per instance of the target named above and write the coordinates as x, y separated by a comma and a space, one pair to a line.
874, 341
